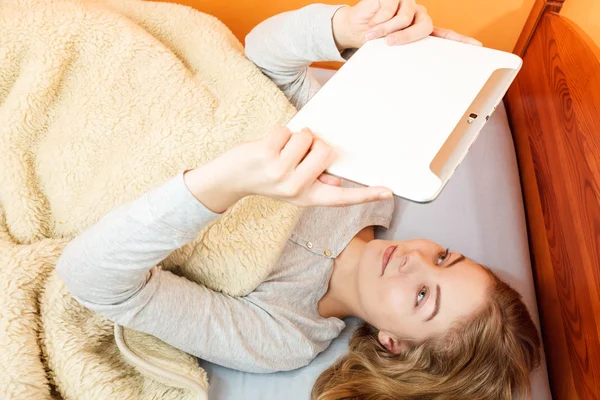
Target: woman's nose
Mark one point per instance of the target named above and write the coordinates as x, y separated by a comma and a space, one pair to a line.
420, 260
415, 259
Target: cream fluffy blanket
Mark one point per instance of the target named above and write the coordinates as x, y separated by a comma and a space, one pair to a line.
100, 101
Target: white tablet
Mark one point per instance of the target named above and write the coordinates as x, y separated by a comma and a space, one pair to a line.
404, 117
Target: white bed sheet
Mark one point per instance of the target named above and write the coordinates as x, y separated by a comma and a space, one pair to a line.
479, 213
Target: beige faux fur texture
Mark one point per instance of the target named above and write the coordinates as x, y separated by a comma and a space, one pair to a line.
99, 102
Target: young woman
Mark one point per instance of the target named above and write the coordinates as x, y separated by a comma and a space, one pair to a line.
438, 325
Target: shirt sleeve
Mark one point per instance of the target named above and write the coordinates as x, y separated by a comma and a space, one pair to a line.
284, 47
111, 268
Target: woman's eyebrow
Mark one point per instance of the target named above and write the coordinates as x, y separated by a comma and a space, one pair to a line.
438, 292
456, 260
438, 302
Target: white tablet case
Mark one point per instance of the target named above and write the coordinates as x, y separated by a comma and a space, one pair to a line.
404, 117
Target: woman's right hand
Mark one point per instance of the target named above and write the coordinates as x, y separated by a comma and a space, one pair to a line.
284, 165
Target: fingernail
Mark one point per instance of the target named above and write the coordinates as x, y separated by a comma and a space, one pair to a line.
385, 195
371, 35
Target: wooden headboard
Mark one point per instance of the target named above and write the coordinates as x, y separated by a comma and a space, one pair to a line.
554, 112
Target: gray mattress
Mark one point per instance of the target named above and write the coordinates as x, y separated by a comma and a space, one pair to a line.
479, 213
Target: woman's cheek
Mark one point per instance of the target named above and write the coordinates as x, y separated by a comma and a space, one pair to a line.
396, 296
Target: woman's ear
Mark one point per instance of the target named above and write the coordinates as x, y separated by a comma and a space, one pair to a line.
392, 344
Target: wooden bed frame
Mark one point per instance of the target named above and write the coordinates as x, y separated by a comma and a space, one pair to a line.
554, 112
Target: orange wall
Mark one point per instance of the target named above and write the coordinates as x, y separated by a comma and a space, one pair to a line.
497, 23
586, 14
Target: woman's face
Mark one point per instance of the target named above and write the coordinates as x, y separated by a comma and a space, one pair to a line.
413, 290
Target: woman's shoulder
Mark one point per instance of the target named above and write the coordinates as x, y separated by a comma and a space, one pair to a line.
307, 341
302, 332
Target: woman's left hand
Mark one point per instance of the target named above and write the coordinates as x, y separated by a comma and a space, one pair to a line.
399, 21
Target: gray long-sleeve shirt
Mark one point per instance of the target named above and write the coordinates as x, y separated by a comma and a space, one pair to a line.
113, 267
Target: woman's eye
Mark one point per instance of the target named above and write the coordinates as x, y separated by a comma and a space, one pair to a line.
442, 257
421, 295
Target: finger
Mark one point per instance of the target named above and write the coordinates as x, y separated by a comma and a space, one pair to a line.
314, 164
402, 20
367, 7
325, 195
457, 37
330, 180
297, 148
386, 12
421, 27
278, 138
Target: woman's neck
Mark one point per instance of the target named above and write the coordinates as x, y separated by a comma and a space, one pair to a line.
341, 299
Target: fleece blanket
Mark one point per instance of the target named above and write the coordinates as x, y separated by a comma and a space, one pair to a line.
101, 100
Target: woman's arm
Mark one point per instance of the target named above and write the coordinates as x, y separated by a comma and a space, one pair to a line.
284, 46
110, 266
110, 269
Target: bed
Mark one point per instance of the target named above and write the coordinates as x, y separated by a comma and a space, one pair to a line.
526, 202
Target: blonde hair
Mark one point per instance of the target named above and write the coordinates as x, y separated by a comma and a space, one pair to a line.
486, 356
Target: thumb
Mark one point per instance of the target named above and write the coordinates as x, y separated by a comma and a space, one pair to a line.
457, 37
330, 180
325, 195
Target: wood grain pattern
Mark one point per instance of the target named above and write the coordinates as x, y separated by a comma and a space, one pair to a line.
540, 7
554, 110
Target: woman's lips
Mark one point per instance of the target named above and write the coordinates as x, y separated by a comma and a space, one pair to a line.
387, 256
